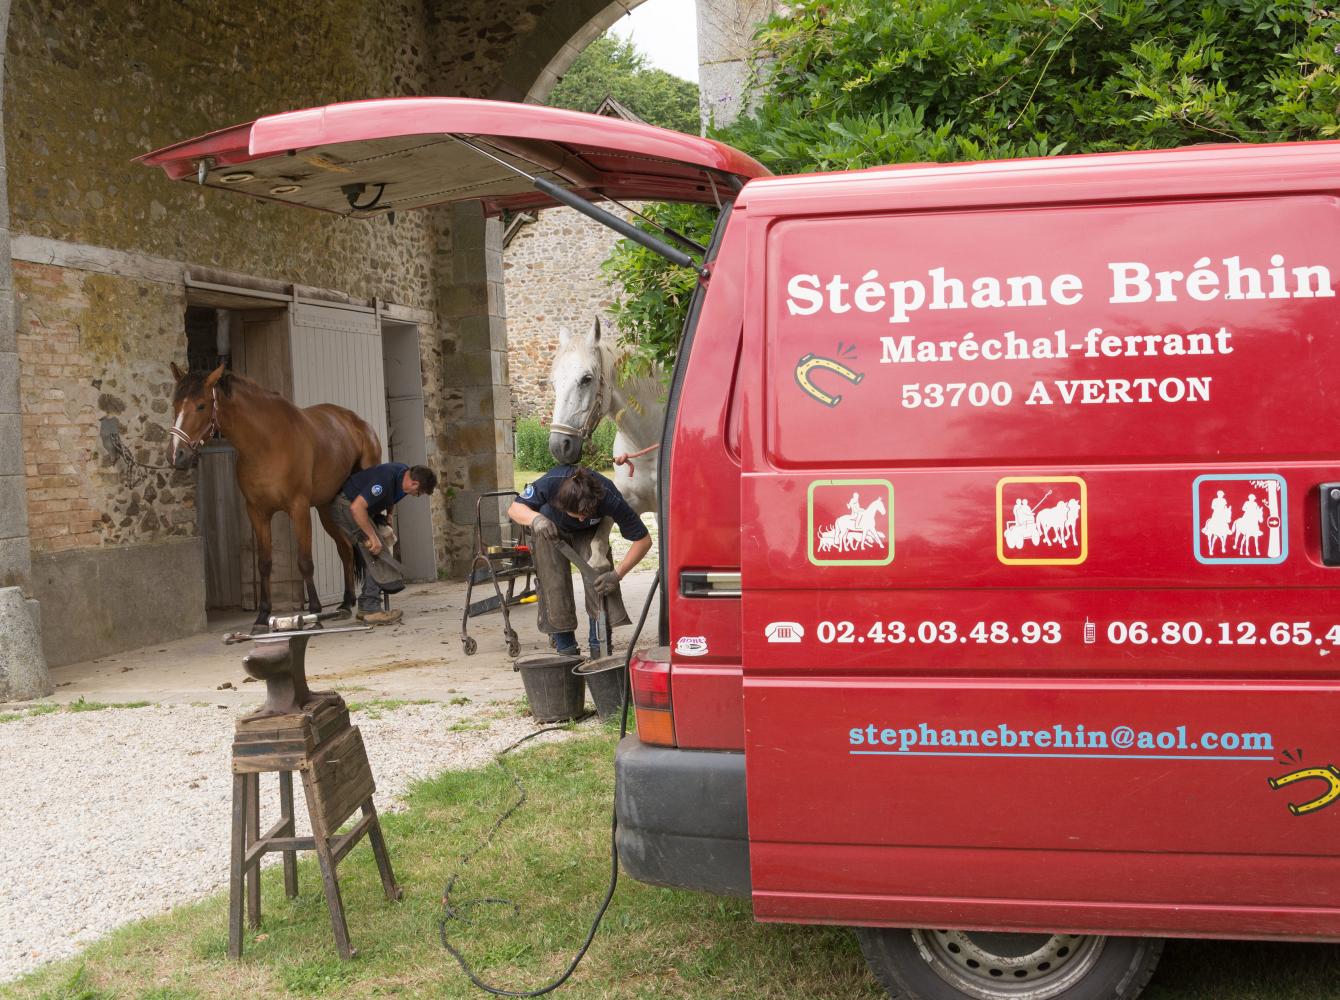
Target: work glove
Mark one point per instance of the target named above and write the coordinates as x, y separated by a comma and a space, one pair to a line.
542, 527
606, 583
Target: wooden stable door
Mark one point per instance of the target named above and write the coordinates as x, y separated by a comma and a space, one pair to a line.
337, 358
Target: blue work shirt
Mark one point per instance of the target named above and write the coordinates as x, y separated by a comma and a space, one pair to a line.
380, 486
538, 496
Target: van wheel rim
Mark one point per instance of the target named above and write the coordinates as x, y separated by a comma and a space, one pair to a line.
991, 966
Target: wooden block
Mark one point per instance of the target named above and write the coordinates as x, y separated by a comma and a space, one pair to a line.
286, 742
261, 758
340, 777
318, 713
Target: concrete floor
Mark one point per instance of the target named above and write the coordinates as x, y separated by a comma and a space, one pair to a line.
419, 658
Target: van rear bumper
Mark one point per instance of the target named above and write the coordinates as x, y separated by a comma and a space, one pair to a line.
682, 817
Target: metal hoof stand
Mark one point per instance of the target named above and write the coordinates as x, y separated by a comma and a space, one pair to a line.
493, 564
308, 732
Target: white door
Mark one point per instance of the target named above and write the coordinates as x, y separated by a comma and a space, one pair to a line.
337, 358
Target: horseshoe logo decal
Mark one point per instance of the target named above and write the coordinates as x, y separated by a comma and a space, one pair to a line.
812, 361
1329, 774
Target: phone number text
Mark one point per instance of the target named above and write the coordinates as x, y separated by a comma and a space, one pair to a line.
897, 632
1141, 633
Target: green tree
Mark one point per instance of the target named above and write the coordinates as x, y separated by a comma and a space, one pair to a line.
851, 84
611, 67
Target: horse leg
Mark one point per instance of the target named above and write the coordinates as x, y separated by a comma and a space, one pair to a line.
301, 517
260, 526
346, 552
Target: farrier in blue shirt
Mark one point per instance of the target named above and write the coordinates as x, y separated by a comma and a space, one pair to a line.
537, 496
381, 486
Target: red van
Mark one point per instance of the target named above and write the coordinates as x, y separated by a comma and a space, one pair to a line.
1000, 520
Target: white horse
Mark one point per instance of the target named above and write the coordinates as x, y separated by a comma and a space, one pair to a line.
1247, 528
589, 387
1058, 522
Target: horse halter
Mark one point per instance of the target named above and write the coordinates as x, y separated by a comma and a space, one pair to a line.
210, 431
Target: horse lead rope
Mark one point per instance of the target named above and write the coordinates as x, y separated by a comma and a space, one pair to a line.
627, 459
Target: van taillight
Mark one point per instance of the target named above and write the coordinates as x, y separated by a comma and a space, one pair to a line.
651, 701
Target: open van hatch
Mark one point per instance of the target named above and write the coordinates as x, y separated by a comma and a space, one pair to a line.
365, 158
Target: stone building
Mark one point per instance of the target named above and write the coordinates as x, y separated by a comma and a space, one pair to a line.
110, 272
552, 278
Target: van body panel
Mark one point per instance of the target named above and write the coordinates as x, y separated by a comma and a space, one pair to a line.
972, 912
703, 467
1199, 173
1128, 806
1036, 629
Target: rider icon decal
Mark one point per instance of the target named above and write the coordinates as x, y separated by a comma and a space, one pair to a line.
1042, 520
850, 522
1239, 518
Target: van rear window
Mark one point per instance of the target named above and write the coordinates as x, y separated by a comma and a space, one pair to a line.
1066, 335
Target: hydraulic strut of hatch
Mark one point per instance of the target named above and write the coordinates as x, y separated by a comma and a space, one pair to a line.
608, 219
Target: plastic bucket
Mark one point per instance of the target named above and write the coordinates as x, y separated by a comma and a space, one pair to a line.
606, 678
555, 693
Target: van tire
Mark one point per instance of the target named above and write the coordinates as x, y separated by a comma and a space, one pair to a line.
957, 965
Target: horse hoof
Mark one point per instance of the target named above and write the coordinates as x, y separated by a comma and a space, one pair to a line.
260, 629
343, 613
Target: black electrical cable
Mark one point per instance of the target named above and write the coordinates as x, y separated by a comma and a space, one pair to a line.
451, 912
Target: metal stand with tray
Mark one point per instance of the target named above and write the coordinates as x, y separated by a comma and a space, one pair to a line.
494, 564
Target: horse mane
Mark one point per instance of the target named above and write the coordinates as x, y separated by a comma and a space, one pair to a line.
194, 382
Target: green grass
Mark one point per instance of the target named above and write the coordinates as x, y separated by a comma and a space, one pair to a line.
28, 713
78, 705
551, 859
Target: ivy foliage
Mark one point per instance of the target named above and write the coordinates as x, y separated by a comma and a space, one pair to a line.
849, 84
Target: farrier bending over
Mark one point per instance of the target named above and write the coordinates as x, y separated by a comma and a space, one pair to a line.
365, 495
568, 503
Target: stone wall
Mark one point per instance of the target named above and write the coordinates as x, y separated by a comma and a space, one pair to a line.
91, 86
92, 347
553, 275
725, 38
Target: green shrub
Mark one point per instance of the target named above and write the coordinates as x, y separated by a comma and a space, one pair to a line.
532, 446
599, 450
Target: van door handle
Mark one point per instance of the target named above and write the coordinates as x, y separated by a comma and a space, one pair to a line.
1330, 524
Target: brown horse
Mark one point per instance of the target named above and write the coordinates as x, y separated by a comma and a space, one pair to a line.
288, 459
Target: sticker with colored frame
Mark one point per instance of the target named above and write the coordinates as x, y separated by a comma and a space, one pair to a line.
1239, 519
1042, 520
850, 522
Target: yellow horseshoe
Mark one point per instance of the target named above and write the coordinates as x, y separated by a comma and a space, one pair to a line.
1328, 774
811, 361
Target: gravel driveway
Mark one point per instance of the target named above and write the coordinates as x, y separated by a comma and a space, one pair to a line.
118, 814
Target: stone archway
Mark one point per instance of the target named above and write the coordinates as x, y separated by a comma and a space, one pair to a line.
102, 243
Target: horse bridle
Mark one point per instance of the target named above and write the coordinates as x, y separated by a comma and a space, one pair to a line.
592, 418
211, 431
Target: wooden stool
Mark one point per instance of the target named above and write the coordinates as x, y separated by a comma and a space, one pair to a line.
337, 779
